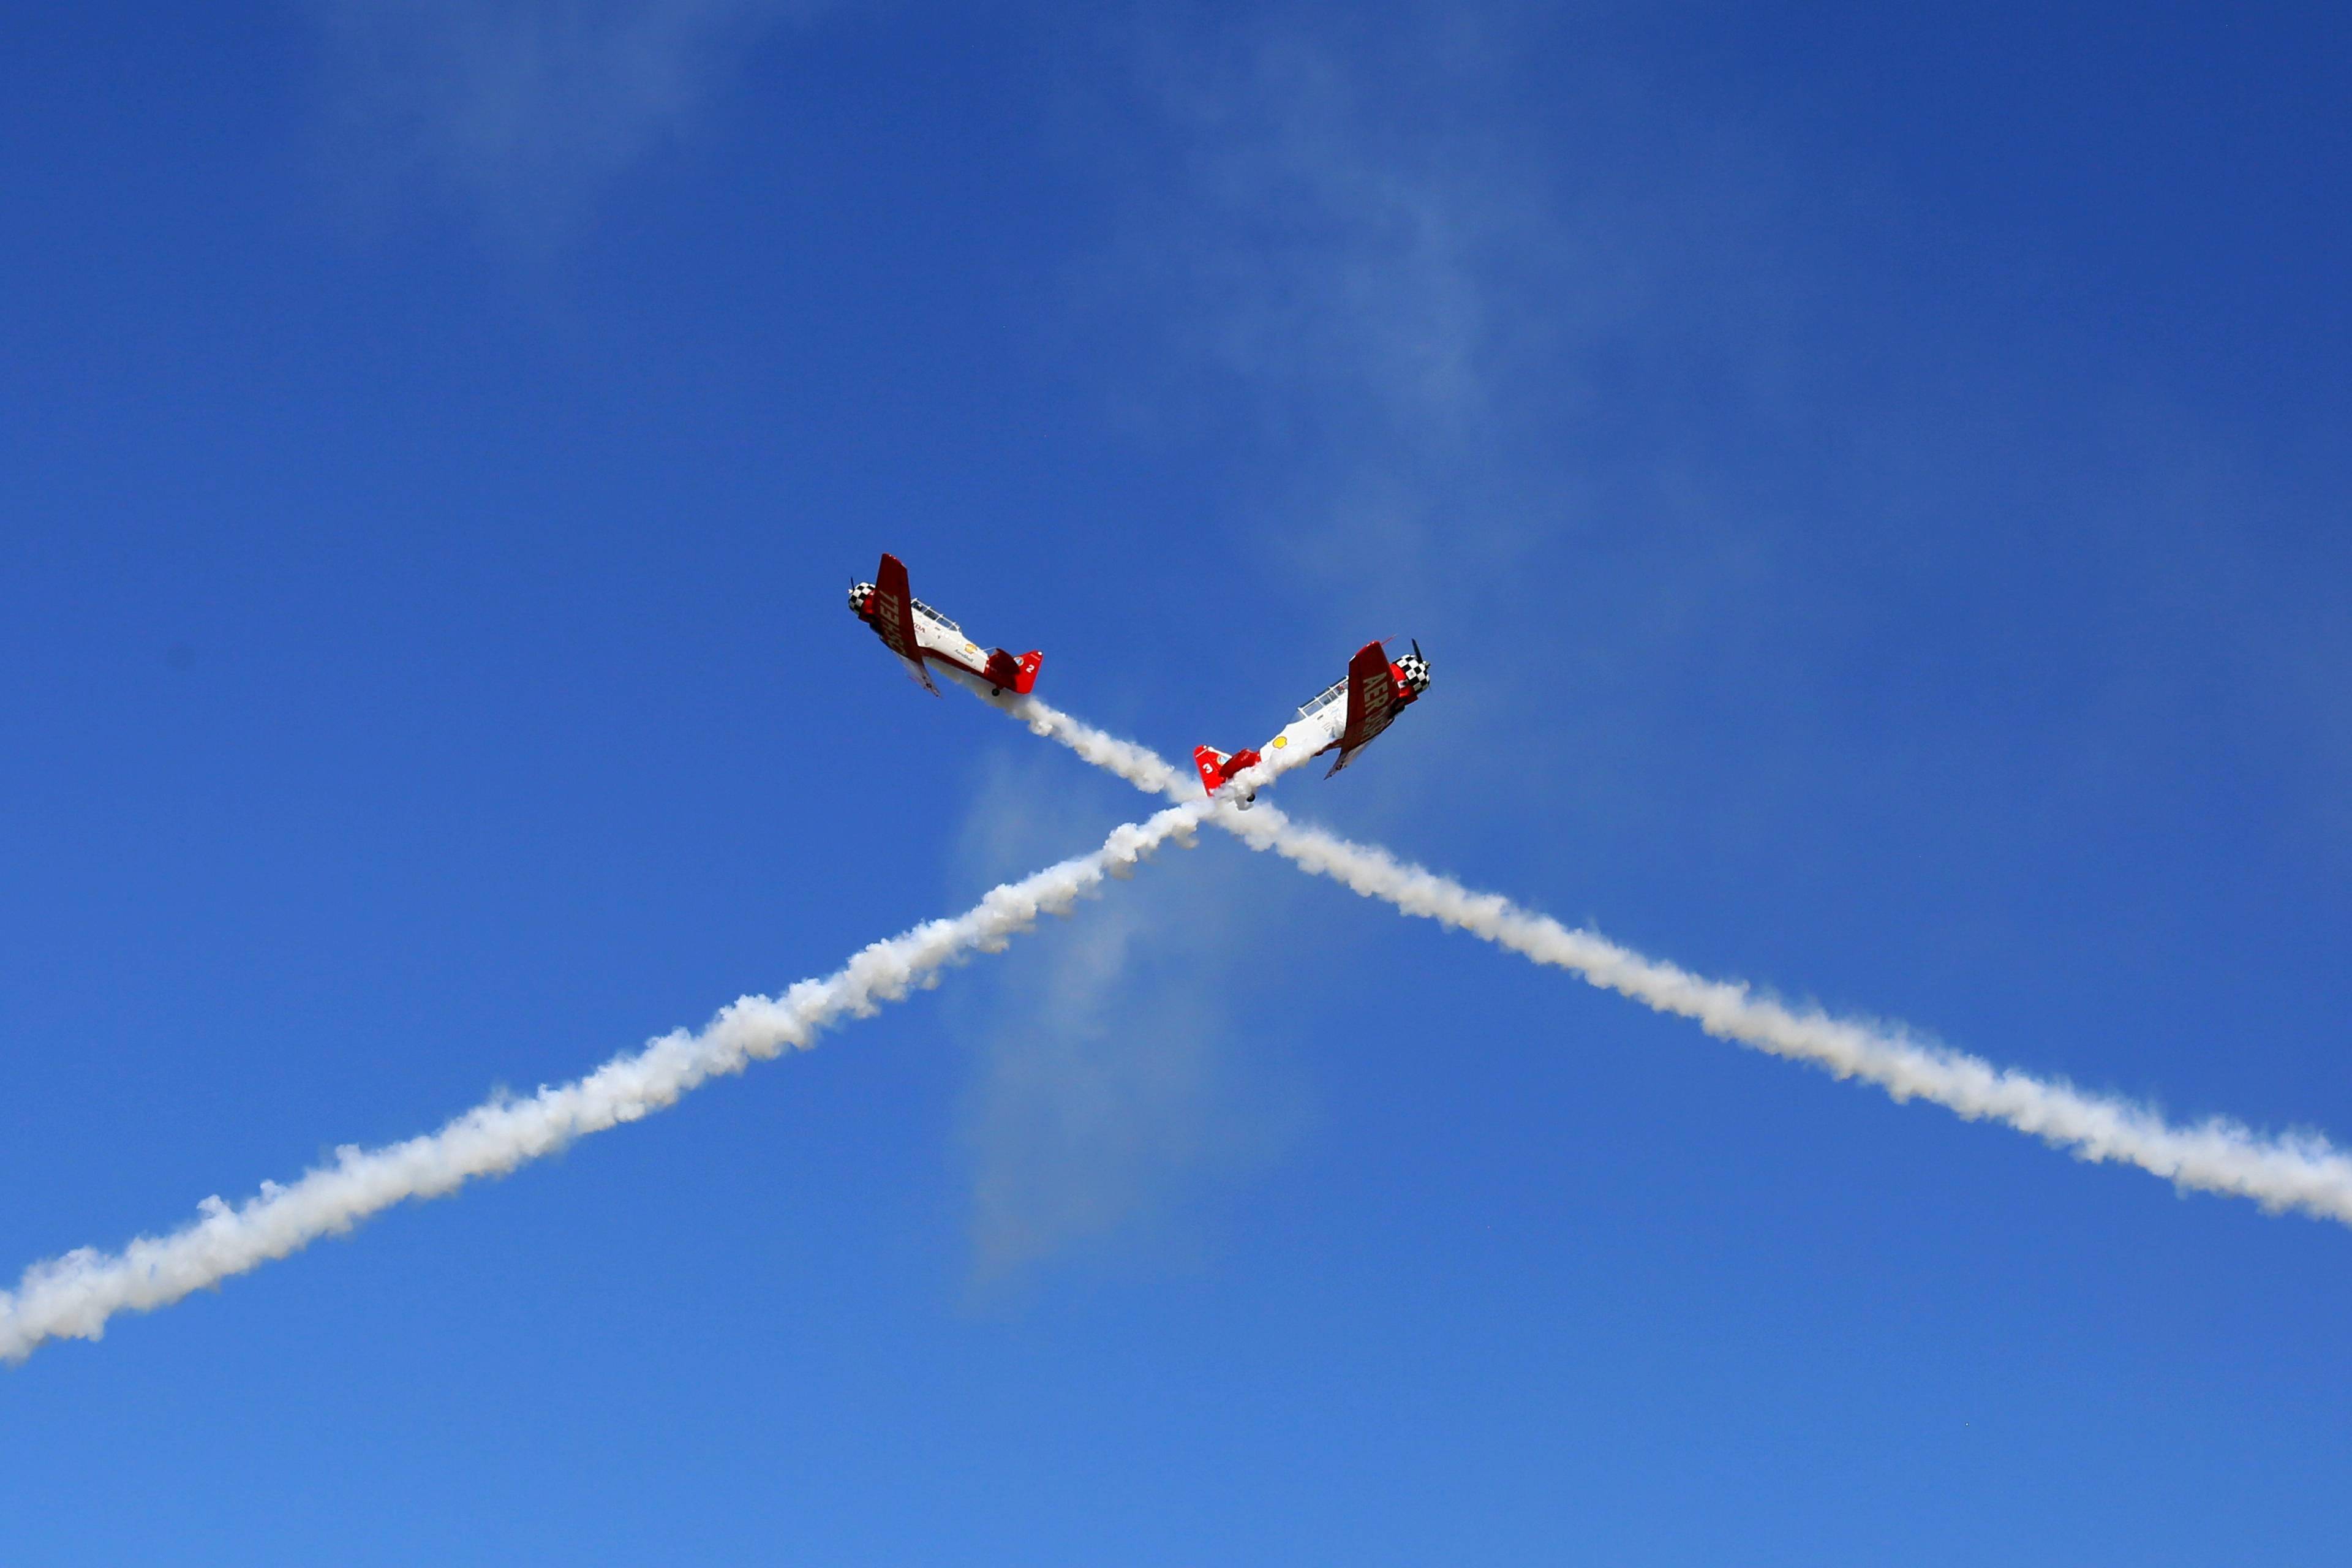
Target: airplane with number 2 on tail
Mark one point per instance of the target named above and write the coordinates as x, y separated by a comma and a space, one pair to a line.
1343, 718
916, 632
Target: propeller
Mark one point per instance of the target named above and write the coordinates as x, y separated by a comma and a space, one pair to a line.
1416, 668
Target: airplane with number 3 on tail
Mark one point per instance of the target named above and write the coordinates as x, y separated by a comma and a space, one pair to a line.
1343, 718
916, 632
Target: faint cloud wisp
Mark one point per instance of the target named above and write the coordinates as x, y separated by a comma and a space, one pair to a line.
526, 107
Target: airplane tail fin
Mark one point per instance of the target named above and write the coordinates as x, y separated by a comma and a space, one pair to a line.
1021, 674
1212, 763
1217, 769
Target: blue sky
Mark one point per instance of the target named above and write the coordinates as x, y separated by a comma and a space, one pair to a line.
1871, 488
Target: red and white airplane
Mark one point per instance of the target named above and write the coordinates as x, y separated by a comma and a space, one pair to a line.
915, 632
1344, 718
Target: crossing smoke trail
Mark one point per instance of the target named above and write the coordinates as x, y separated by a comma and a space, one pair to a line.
73, 1296
2298, 1171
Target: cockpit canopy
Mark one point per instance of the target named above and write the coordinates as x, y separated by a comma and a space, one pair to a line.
934, 618
1332, 693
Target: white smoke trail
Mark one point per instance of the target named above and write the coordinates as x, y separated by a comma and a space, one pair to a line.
74, 1295
1139, 766
2298, 1171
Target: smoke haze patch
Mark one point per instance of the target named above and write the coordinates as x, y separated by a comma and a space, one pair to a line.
1119, 1083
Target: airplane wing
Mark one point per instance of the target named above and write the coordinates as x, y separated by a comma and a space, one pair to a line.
1371, 703
894, 617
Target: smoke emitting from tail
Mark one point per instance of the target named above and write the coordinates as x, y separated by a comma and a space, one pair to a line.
73, 1296
2299, 1171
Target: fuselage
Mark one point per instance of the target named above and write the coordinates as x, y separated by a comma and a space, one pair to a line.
943, 642
939, 640
1320, 723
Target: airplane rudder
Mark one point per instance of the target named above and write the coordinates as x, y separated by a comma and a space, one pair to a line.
1210, 762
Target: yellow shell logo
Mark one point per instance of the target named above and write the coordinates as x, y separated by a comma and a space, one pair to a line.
1280, 742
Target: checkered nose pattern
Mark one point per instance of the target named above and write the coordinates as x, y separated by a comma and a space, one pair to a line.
859, 593
1416, 670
